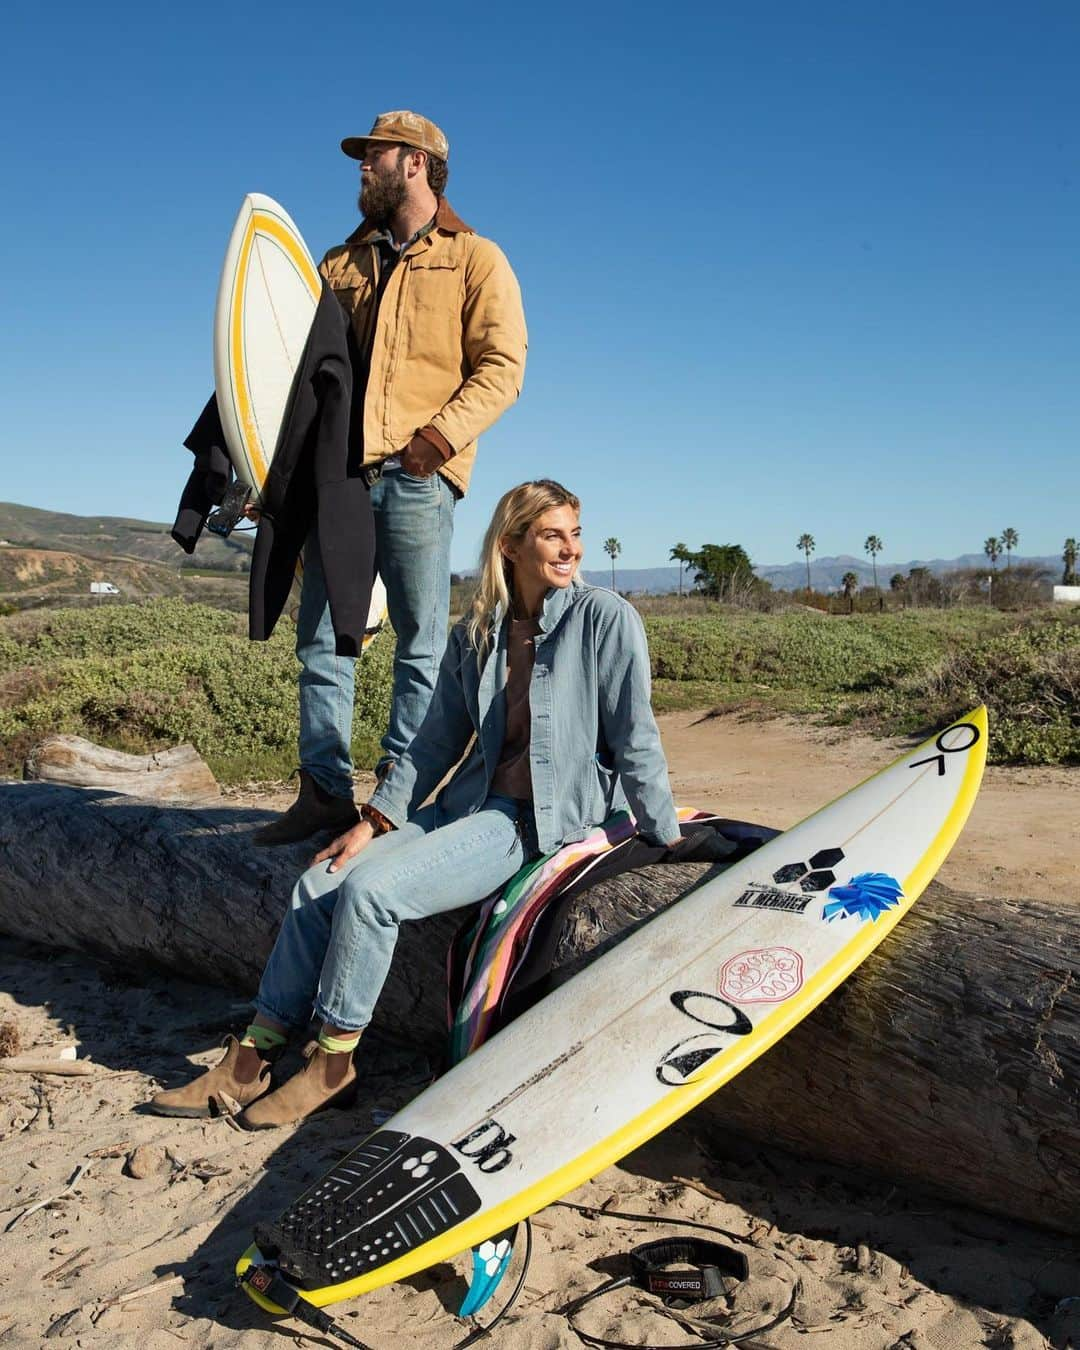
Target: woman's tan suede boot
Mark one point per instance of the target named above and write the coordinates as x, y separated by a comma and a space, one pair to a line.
239, 1078
325, 1080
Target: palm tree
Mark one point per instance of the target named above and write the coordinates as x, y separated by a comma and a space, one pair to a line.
1009, 539
612, 548
680, 554
1068, 557
992, 549
918, 584
873, 546
850, 583
806, 545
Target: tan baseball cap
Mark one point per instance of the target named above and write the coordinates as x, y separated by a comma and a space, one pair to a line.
400, 128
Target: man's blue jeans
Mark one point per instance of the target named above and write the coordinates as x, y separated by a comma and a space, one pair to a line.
337, 938
414, 525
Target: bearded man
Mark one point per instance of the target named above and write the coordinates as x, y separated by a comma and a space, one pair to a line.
437, 340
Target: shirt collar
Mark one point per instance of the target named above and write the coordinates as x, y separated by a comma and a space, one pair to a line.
556, 603
447, 221
385, 237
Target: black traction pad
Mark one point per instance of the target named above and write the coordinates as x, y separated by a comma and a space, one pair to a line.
392, 1193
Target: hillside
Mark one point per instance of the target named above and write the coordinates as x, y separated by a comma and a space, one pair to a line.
119, 537
43, 577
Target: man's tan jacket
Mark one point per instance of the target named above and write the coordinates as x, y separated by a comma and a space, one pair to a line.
447, 344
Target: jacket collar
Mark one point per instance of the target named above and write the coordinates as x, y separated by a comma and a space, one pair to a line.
557, 601
446, 219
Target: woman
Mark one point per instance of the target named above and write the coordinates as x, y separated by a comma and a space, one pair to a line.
552, 678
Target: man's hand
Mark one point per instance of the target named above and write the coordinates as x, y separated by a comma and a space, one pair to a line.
252, 512
346, 846
421, 457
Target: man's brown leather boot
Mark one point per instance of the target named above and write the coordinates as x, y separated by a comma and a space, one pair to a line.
238, 1079
315, 809
325, 1080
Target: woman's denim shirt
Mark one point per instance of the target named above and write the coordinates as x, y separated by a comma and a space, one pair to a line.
594, 746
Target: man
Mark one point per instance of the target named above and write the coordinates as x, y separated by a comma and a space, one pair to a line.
438, 341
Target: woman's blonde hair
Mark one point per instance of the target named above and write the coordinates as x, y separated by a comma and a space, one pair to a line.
516, 511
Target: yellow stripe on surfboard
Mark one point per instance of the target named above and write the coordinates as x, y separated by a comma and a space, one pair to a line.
675, 1104
260, 222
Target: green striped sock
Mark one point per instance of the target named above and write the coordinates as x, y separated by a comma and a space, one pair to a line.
262, 1038
339, 1045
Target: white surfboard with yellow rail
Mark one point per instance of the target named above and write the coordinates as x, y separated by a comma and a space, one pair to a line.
266, 302
632, 1042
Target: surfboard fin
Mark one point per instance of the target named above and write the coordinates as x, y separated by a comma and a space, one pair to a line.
489, 1262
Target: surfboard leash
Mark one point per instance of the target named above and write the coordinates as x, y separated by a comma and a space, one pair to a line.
711, 1262
271, 1284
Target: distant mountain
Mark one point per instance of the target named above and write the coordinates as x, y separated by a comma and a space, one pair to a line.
826, 574
639, 580
119, 537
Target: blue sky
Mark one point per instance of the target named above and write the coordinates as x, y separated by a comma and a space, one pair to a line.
787, 266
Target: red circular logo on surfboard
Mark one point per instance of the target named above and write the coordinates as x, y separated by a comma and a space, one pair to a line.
762, 975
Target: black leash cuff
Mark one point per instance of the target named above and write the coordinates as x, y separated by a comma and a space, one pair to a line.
710, 1262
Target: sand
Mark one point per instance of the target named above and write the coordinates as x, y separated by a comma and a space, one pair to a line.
874, 1266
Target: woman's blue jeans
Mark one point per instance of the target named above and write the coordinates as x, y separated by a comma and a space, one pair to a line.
414, 525
338, 935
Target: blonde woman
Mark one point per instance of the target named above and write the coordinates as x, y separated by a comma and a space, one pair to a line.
551, 677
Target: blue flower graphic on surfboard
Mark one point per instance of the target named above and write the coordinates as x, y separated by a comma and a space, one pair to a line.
866, 896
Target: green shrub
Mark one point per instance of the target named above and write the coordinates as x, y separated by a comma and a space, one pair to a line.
898, 673
139, 678
1029, 678
801, 651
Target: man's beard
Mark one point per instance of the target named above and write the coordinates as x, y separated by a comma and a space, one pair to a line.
381, 195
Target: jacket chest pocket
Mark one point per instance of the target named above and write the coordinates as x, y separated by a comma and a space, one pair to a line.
434, 286
353, 290
355, 294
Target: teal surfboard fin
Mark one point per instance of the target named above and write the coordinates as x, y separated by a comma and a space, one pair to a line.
489, 1263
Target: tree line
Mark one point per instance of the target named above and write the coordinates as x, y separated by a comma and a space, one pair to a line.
724, 571
993, 547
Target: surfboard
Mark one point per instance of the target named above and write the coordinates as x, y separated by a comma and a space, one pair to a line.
266, 301
632, 1042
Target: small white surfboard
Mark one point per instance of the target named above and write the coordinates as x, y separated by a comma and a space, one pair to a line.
635, 1040
266, 301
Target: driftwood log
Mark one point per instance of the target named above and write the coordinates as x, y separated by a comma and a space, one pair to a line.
949, 1059
179, 774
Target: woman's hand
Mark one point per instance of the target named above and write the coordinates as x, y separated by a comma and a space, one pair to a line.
346, 846
252, 512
